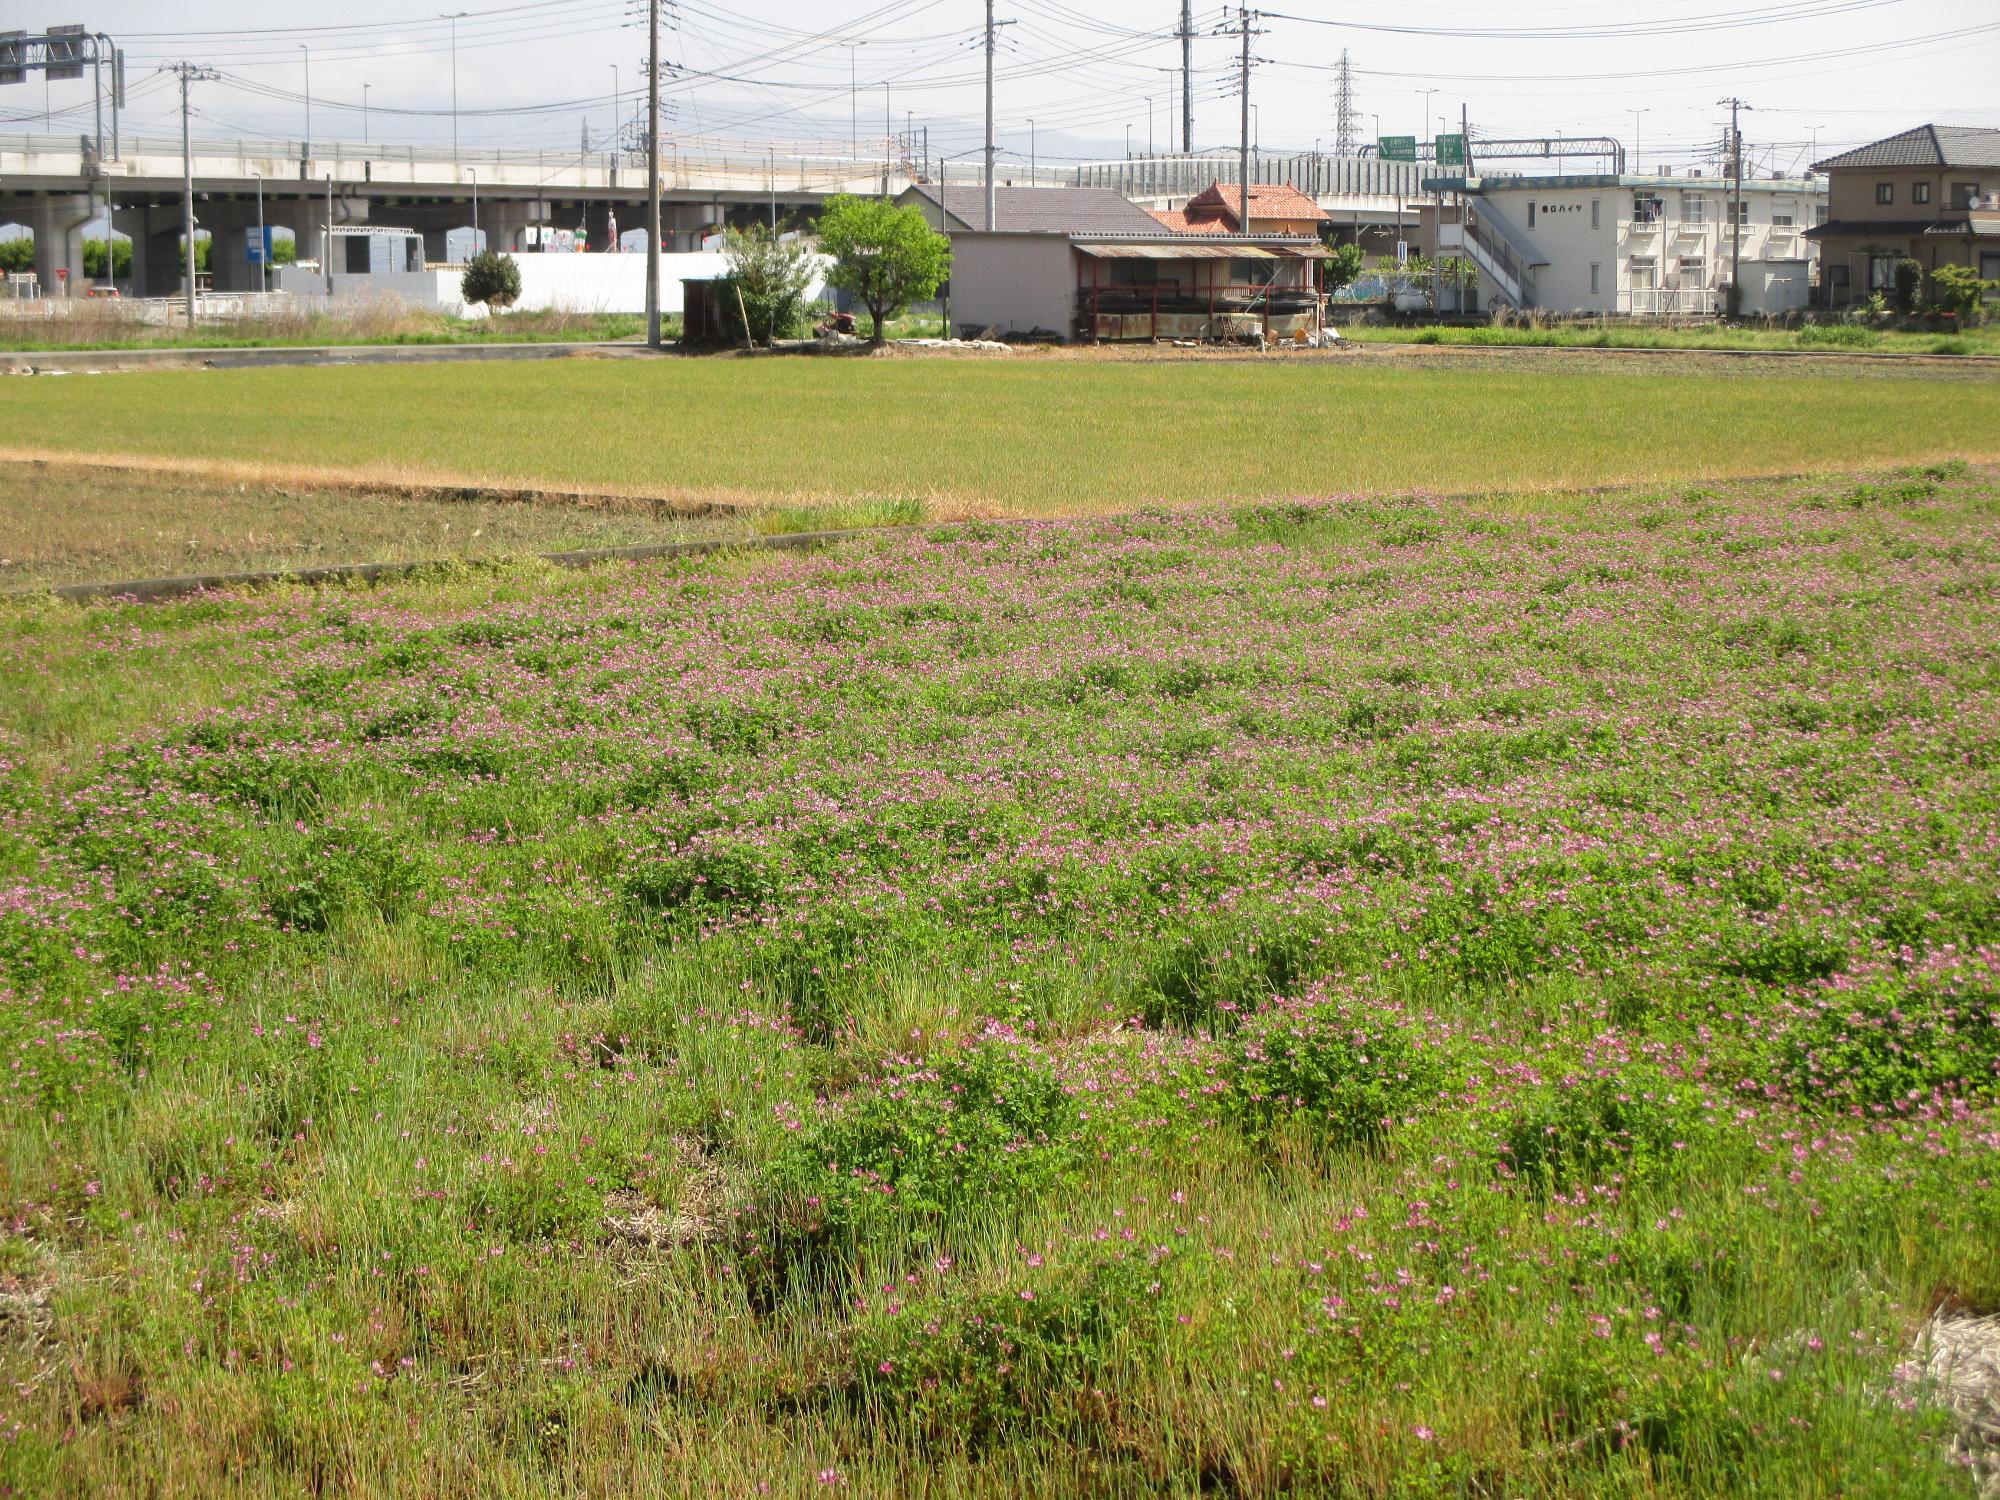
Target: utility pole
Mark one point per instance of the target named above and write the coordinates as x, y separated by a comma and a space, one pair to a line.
1187, 75
653, 176
187, 73
454, 17
1736, 106
888, 139
990, 195
306, 145
1243, 147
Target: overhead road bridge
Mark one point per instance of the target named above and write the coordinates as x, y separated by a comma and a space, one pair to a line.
56, 185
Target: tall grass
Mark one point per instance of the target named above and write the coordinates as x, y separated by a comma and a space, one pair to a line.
95, 325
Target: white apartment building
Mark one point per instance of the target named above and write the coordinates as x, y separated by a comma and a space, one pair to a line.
1631, 246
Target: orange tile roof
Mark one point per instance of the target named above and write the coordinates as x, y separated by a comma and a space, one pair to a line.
1268, 200
1177, 220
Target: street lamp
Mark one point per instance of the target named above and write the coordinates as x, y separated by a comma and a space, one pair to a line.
1128, 140
474, 173
1427, 107
1031, 153
1635, 113
454, 17
614, 112
853, 103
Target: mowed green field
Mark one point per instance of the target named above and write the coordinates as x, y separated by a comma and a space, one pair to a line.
1038, 432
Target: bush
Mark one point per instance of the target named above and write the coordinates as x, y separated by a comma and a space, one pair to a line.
1909, 284
1581, 1129
491, 279
1884, 1045
93, 259
1347, 1076
770, 276
1961, 292
977, 1368
17, 255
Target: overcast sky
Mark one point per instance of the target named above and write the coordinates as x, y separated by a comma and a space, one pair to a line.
535, 73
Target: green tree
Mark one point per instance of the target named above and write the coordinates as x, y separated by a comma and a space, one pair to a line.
771, 276
492, 278
93, 259
284, 252
1909, 282
17, 255
885, 255
1343, 267
204, 253
1961, 292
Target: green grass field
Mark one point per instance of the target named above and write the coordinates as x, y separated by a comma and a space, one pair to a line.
1036, 433
1821, 338
1381, 999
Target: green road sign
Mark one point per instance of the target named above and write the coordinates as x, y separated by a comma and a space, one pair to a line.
1451, 150
1397, 147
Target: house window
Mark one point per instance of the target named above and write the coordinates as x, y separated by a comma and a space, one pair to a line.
1739, 210
1920, 192
1694, 208
1819, 213
1594, 267
1885, 192
1647, 208
1881, 273
1251, 272
1135, 273
1964, 194
1694, 270
1989, 268
1645, 273
1783, 214
1593, 219
1531, 218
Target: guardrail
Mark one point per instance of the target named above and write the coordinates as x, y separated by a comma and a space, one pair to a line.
774, 168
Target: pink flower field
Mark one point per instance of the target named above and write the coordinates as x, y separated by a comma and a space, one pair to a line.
1364, 997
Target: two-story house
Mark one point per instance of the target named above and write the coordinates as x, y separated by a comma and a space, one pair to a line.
1931, 195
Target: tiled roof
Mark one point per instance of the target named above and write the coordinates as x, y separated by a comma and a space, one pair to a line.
1976, 226
1268, 200
1177, 220
1894, 229
1926, 146
1043, 210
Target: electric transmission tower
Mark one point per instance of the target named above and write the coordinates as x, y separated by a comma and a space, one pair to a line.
1346, 118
